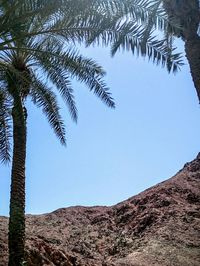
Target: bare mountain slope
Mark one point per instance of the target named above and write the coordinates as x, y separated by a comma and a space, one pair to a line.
160, 226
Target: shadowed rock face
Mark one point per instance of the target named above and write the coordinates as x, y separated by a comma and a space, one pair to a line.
160, 226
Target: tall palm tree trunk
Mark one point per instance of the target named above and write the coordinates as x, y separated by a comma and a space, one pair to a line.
187, 14
17, 201
192, 50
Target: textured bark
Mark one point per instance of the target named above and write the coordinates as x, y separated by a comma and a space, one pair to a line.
17, 201
186, 13
192, 49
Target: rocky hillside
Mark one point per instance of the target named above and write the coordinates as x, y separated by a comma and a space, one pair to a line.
160, 226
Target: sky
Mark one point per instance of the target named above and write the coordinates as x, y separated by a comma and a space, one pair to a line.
111, 155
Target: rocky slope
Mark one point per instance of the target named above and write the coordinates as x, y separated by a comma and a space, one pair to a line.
160, 226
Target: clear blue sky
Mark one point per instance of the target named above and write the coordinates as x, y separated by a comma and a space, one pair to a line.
112, 154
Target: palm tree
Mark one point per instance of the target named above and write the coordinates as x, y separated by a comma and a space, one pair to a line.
33, 65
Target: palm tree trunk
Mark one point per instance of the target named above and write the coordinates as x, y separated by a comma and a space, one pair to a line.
192, 49
187, 14
17, 198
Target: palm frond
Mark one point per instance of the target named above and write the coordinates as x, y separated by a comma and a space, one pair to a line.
43, 97
61, 81
136, 38
89, 72
59, 78
59, 64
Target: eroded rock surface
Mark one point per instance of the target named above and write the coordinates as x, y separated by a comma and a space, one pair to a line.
160, 226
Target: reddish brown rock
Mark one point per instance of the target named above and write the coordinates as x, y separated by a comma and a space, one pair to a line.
160, 226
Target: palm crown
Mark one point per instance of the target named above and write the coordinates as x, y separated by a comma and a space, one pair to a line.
37, 64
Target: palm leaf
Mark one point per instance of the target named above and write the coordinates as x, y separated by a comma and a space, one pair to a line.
43, 97
58, 64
